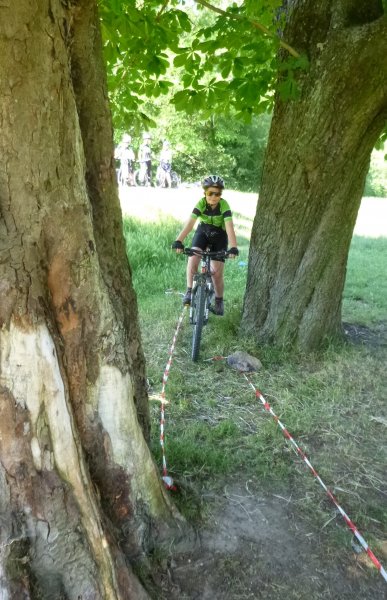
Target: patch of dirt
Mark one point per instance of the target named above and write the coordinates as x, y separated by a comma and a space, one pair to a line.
256, 546
361, 334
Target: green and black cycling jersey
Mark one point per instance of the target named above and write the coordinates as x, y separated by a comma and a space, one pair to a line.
208, 216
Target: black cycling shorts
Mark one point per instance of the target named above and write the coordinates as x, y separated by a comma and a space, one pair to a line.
207, 236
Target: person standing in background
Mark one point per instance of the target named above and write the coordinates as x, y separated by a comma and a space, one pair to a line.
166, 162
145, 157
125, 154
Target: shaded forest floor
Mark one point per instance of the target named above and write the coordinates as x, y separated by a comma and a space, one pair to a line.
256, 540
254, 544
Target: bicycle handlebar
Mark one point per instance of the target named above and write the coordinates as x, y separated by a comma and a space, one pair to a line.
206, 253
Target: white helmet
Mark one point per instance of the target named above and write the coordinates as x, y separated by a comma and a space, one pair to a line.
213, 181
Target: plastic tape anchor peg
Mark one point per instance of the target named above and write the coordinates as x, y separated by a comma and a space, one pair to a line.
168, 482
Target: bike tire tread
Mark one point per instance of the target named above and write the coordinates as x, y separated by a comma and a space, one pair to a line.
199, 308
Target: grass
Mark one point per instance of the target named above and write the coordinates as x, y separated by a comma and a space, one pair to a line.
333, 403
365, 295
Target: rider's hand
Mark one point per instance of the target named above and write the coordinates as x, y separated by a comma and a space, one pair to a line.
178, 246
233, 252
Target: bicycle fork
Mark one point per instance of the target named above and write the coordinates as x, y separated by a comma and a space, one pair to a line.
209, 291
209, 297
196, 283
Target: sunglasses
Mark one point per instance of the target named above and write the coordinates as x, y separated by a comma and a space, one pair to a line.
214, 194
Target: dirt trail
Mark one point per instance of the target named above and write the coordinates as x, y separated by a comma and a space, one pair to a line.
255, 546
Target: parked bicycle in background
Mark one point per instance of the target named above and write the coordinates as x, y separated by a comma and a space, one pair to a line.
161, 180
141, 176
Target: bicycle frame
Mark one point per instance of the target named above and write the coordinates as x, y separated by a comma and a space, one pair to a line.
162, 178
202, 294
125, 175
141, 175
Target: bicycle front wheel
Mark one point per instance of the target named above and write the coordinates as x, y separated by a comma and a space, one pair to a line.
140, 177
160, 178
199, 299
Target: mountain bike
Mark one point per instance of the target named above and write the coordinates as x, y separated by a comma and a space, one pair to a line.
141, 176
161, 178
125, 174
176, 179
202, 295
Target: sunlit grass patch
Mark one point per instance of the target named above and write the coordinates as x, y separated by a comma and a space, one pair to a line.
365, 293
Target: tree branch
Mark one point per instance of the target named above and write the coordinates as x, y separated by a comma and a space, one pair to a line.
254, 24
162, 9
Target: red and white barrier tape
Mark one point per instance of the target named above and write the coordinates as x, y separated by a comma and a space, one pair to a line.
348, 521
168, 481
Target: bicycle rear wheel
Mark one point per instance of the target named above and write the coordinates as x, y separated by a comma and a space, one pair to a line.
175, 179
140, 178
160, 177
199, 300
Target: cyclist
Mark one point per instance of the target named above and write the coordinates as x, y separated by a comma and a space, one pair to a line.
145, 157
125, 154
216, 229
166, 162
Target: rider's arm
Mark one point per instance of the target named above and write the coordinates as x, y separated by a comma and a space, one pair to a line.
186, 229
232, 242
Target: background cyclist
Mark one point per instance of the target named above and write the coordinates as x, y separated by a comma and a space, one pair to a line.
125, 154
145, 157
216, 229
166, 162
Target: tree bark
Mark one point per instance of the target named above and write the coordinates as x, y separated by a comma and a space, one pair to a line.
315, 167
80, 497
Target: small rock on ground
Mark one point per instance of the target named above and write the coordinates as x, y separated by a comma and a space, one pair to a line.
241, 361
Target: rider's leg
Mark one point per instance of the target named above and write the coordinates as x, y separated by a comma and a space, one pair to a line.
119, 178
142, 173
217, 272
130, 173
192, 268
124, 173
199, 242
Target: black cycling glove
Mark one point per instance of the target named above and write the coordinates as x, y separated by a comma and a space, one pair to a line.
177, 245
233, 251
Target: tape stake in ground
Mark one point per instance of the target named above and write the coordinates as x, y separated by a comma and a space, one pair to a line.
302, 454
168, 481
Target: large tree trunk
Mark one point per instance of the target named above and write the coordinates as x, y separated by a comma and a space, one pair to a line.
80, 497
315, 167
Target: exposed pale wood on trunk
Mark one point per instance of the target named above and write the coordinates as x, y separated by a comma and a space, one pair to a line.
79, 491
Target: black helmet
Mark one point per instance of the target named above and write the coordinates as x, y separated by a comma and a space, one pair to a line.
213, 181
